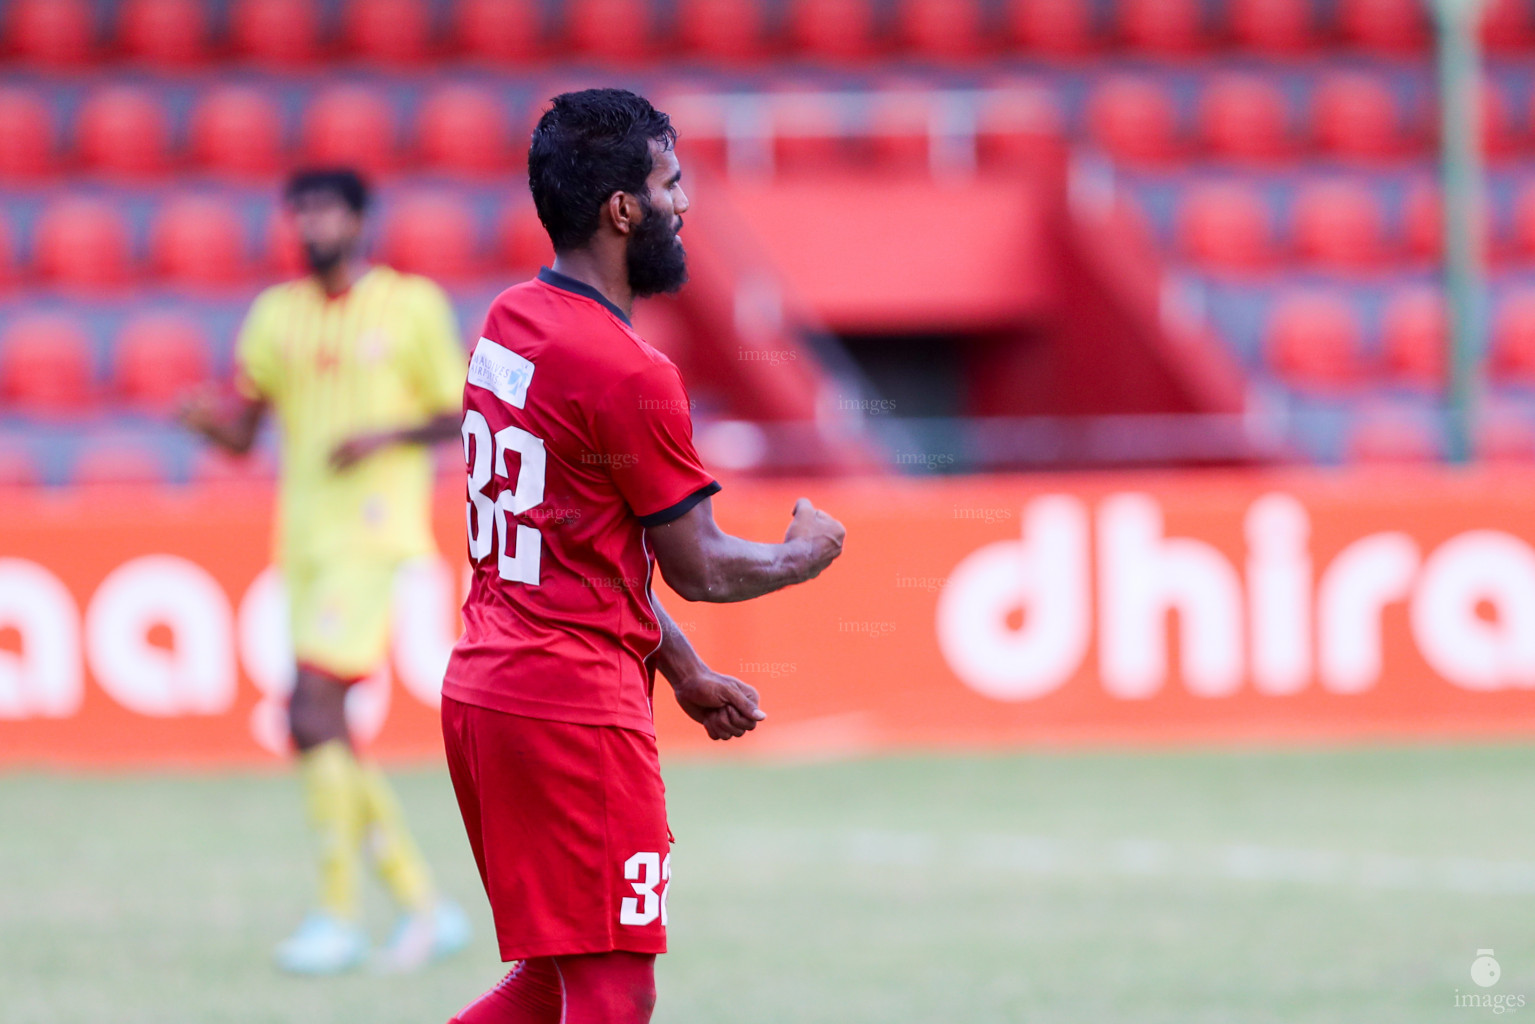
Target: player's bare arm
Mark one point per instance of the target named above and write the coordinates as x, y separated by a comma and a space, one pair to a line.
348, 453
701, 562
229, 422
724, 705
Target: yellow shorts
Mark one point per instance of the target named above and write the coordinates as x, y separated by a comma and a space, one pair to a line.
340, 614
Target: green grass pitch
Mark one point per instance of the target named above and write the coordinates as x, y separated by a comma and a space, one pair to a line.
1330, 886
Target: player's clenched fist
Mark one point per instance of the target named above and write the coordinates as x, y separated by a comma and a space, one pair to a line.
725, 706
821, 534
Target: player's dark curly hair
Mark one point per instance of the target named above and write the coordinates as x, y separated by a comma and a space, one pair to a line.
342, 181
587, 146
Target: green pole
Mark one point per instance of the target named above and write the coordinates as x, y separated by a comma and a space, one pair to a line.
1461, 173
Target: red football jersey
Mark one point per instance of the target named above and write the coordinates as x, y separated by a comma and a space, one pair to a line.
577, 436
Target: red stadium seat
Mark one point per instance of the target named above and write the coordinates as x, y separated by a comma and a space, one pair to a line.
18, 468
1162, 26
1273, 26
45, 365
1015, 125
1413, 337
609, 29
1313, 340
1062, 27
1506, 25
237, 130
212, 465
1524, 95
432, 234
27, 140
1339, 225
1357, 116
1522, 226
942, 29
524, 243
198, 240
1226, 226
1387, 436
1392, 26
82, 242
464, 128
388, 31
7, 254
59, 33
284, 254
1423, 224
832, 29
1499, 136
808, 132
728, 30
1245, 118
157, 357
350, 126
123, 130
899, 129
108, 460
285, 33
1505, 433
164, 32
1134, 120
1513, 337
702, 142
498, 30
1505, 440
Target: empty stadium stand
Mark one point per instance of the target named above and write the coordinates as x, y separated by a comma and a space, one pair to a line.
1277, 153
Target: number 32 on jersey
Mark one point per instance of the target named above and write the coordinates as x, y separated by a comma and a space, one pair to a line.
492, 497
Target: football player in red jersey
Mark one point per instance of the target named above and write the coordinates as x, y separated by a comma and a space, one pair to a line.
581, 476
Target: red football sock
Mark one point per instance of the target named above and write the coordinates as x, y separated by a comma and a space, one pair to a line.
608, 988
529, 994
597, 988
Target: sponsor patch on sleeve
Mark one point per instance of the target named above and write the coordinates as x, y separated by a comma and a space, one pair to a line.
501, 371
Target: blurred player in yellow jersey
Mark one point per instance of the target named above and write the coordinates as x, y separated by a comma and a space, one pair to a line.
363, 369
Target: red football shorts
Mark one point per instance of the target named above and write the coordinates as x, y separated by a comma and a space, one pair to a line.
568, 827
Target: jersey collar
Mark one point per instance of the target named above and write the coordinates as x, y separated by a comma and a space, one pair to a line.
348, 290
567, 283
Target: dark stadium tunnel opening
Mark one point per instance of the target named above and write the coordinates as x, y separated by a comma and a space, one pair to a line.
912, 374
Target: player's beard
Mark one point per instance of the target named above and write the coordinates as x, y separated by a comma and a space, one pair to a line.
656, 261
323, 259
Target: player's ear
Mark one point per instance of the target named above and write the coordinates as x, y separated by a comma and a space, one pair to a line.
623, 211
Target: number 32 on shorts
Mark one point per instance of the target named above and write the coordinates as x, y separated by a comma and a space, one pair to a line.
646, 873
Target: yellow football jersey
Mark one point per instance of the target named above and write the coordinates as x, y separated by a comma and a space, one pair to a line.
383, 355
